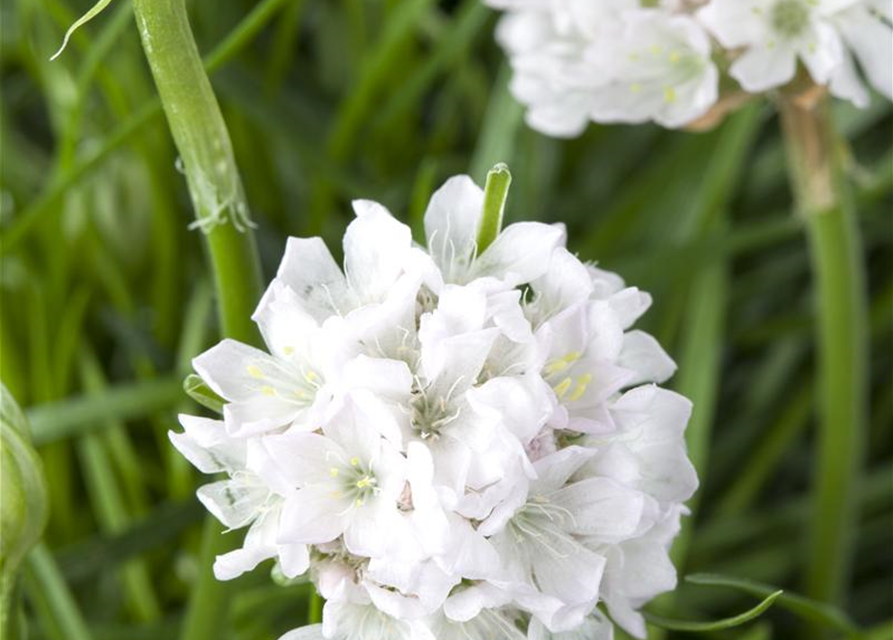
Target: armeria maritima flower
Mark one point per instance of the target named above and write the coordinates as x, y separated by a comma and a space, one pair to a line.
459, 442
631, 61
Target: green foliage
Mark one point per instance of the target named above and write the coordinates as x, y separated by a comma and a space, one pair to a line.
106, 295
23, 509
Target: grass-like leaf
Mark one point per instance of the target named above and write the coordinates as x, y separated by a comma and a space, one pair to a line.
818, 613
715, 625
94, 11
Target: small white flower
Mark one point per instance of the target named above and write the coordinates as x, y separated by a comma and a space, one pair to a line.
243, 499
660, 70
294, 384
775, 34
867, 31
576, 61
348, 482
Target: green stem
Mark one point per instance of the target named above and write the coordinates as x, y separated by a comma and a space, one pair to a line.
47, 203
205, 148
841, 308
496, 190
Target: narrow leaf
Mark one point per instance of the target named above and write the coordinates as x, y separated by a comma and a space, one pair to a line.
84, 19
725, 623
813, 611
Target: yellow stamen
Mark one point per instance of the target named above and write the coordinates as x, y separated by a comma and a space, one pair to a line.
582, 382
333, 472
670, 95
560, 364
354, 461
563, 387
255, 371
267, 390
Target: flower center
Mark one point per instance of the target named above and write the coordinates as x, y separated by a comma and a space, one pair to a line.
286, 381
357, 481
567, 387
790, 17
431, 412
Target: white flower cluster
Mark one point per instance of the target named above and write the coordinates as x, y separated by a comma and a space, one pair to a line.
635, 60
457, 444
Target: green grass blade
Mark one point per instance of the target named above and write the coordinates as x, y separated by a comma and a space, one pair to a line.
716, 625
819, 613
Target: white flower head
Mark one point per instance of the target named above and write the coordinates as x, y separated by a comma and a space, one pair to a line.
576, 62
460, 442
630, 61
660, 70
775, 35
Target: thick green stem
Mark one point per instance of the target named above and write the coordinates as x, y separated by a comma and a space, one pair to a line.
841, 310
221, 212
207, 158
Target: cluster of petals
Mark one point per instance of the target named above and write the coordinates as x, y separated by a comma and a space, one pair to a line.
630, 61
454, 444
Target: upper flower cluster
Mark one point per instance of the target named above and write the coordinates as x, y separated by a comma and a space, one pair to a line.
458, 444
634, 61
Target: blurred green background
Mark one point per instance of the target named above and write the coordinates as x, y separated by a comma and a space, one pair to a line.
106, 295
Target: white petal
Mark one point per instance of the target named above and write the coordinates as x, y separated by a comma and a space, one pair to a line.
644, 355
521, 252
258, 415
289, 330
311, 272
601, 508
629, 305
555, 469
452, 222
312, 516
313, 632
847, 84
234, 502
207, 446
822, 53
304, 458
256, 548
735, 23
375, 251
224, 367
521, 403
294, 559
763, 67
871, 41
